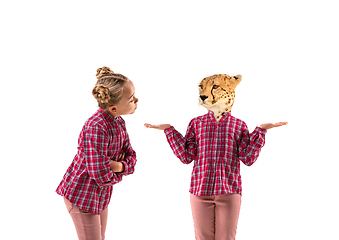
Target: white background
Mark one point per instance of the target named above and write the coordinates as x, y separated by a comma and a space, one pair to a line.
287, 53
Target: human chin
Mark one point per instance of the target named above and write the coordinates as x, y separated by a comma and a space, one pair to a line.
133, 110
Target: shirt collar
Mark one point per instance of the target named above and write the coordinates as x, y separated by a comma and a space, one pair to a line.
225, 115
107, 115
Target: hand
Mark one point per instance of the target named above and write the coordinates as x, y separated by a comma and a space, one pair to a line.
122, 155
267, 126
116, 166
159, 126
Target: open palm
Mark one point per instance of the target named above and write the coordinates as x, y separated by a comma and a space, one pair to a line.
272, 125
158, 126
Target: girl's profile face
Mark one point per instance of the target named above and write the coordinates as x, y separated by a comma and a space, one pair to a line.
128, 102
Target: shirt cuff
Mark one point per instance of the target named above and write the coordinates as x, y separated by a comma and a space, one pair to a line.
125, 167
261, 130
169, 130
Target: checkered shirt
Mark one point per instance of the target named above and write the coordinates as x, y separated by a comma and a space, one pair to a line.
88, 182
216, 149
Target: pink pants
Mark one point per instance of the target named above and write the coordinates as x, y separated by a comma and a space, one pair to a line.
89, 226
215, 217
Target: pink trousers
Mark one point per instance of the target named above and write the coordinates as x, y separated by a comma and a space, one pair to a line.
89, 226
215, 217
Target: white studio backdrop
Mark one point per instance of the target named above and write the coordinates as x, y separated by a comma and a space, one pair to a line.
287, 53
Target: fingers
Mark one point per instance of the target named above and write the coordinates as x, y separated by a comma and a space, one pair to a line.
159, 126
272, 125
150, 125
122, 155
278, 124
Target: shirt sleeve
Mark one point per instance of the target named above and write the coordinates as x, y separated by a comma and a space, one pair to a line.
130, 158
251, 144
185, 148
95, 146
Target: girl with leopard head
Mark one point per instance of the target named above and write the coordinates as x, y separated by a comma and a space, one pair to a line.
216, 142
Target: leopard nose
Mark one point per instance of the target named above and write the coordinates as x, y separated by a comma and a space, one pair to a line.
203, 97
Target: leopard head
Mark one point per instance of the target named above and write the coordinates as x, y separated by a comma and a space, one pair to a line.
217, 93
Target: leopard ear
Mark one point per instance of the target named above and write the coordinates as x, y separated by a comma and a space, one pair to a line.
235, 80
238, 77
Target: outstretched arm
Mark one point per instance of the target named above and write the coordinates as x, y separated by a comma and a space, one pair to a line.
183, 147
251, 143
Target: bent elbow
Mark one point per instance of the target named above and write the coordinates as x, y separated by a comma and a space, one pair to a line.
249, 164
186, 159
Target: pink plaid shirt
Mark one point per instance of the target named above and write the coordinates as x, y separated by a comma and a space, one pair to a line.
216, 149
88, 182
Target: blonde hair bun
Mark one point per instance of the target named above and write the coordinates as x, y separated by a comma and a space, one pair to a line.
109, 87
101, 93
104, 71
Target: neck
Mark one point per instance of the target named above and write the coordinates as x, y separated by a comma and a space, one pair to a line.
217, 113
111, 113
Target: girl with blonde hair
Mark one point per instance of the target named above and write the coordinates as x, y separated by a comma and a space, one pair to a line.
103, 157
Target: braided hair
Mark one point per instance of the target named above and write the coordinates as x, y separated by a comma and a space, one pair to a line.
108, 89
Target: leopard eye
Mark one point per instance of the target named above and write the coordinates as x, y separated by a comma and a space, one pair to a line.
215, 86
200, 86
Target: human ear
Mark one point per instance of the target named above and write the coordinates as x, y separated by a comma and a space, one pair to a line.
112, 109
